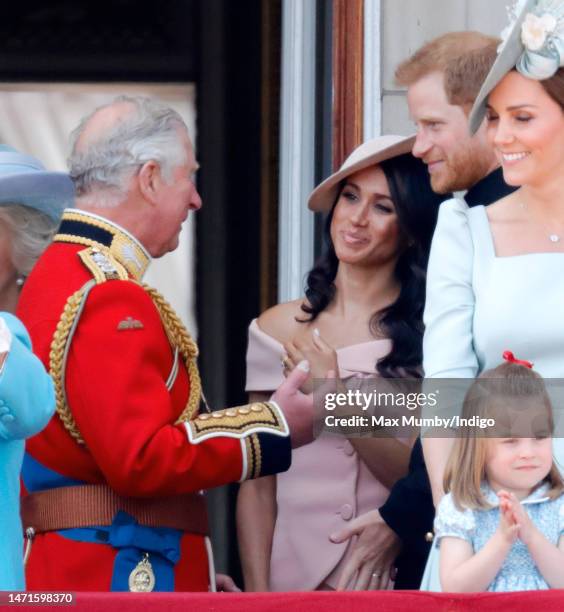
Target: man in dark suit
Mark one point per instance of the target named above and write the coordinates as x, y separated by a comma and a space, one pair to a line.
442, 78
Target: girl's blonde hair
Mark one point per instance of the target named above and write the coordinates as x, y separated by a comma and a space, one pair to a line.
466, 467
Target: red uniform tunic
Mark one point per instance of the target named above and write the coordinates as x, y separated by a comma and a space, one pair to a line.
125, 391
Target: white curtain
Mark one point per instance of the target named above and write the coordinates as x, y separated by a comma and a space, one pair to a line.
37, 119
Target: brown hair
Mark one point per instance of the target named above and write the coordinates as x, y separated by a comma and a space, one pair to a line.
554, 87
466, 467
464, 58
465, 74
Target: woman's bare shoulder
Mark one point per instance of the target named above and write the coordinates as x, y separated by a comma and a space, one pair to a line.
280, 320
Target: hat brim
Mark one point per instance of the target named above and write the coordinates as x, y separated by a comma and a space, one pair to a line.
325, 194
47, 192
504, 63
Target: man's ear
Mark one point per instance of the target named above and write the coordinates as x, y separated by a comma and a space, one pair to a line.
150, 180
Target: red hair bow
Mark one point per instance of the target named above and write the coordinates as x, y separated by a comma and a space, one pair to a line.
510, 357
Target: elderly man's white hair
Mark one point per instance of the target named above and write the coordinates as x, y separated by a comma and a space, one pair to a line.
102, 165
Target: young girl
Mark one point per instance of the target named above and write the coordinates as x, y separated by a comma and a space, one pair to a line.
499, 527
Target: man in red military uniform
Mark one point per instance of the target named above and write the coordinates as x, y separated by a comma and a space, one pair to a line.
114, 480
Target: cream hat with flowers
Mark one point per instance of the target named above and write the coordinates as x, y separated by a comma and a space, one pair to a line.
532, 43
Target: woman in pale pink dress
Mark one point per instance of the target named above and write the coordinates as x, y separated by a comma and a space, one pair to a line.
361, 315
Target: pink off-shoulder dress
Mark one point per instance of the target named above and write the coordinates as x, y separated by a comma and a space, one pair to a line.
326, 486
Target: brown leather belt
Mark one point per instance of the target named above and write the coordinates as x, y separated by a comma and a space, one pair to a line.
92, 505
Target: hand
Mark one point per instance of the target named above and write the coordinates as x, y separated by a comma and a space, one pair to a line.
520, 518
373, 553
508, 527
225, 583
311, 347
296, 406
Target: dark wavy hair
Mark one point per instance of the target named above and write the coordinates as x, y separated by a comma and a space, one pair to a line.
402, 321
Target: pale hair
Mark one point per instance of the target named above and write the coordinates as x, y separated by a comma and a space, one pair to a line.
30, 232
102, 167
466, 467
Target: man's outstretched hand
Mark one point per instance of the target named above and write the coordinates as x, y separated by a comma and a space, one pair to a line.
296, 406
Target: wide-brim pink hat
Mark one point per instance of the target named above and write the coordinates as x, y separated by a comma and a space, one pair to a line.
369, 153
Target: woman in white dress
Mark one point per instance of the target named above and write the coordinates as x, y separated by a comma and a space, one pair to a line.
494, 276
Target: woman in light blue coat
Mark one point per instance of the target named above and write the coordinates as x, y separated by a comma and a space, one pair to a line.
26, 403
31, 201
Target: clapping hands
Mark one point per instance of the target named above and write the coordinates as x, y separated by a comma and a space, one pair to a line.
514, 522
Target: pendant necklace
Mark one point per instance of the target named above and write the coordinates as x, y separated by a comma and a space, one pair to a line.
552, 237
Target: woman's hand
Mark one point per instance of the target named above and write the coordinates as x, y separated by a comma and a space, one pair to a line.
373, 554
310, 346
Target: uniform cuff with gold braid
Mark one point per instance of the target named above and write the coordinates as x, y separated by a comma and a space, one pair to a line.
262, 429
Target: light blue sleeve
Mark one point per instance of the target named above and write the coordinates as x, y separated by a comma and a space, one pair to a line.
27, 398
452, 522
448, 350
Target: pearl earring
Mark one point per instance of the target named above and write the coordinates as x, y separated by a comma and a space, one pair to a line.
20, 281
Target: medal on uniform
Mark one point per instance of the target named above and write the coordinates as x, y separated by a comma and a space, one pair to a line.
142, 577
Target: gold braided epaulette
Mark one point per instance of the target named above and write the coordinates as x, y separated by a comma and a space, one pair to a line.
104, 267
102, 264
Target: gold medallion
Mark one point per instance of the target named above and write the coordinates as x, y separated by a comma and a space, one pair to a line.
142, 577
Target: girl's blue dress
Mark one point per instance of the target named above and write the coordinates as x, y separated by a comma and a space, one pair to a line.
518, 572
